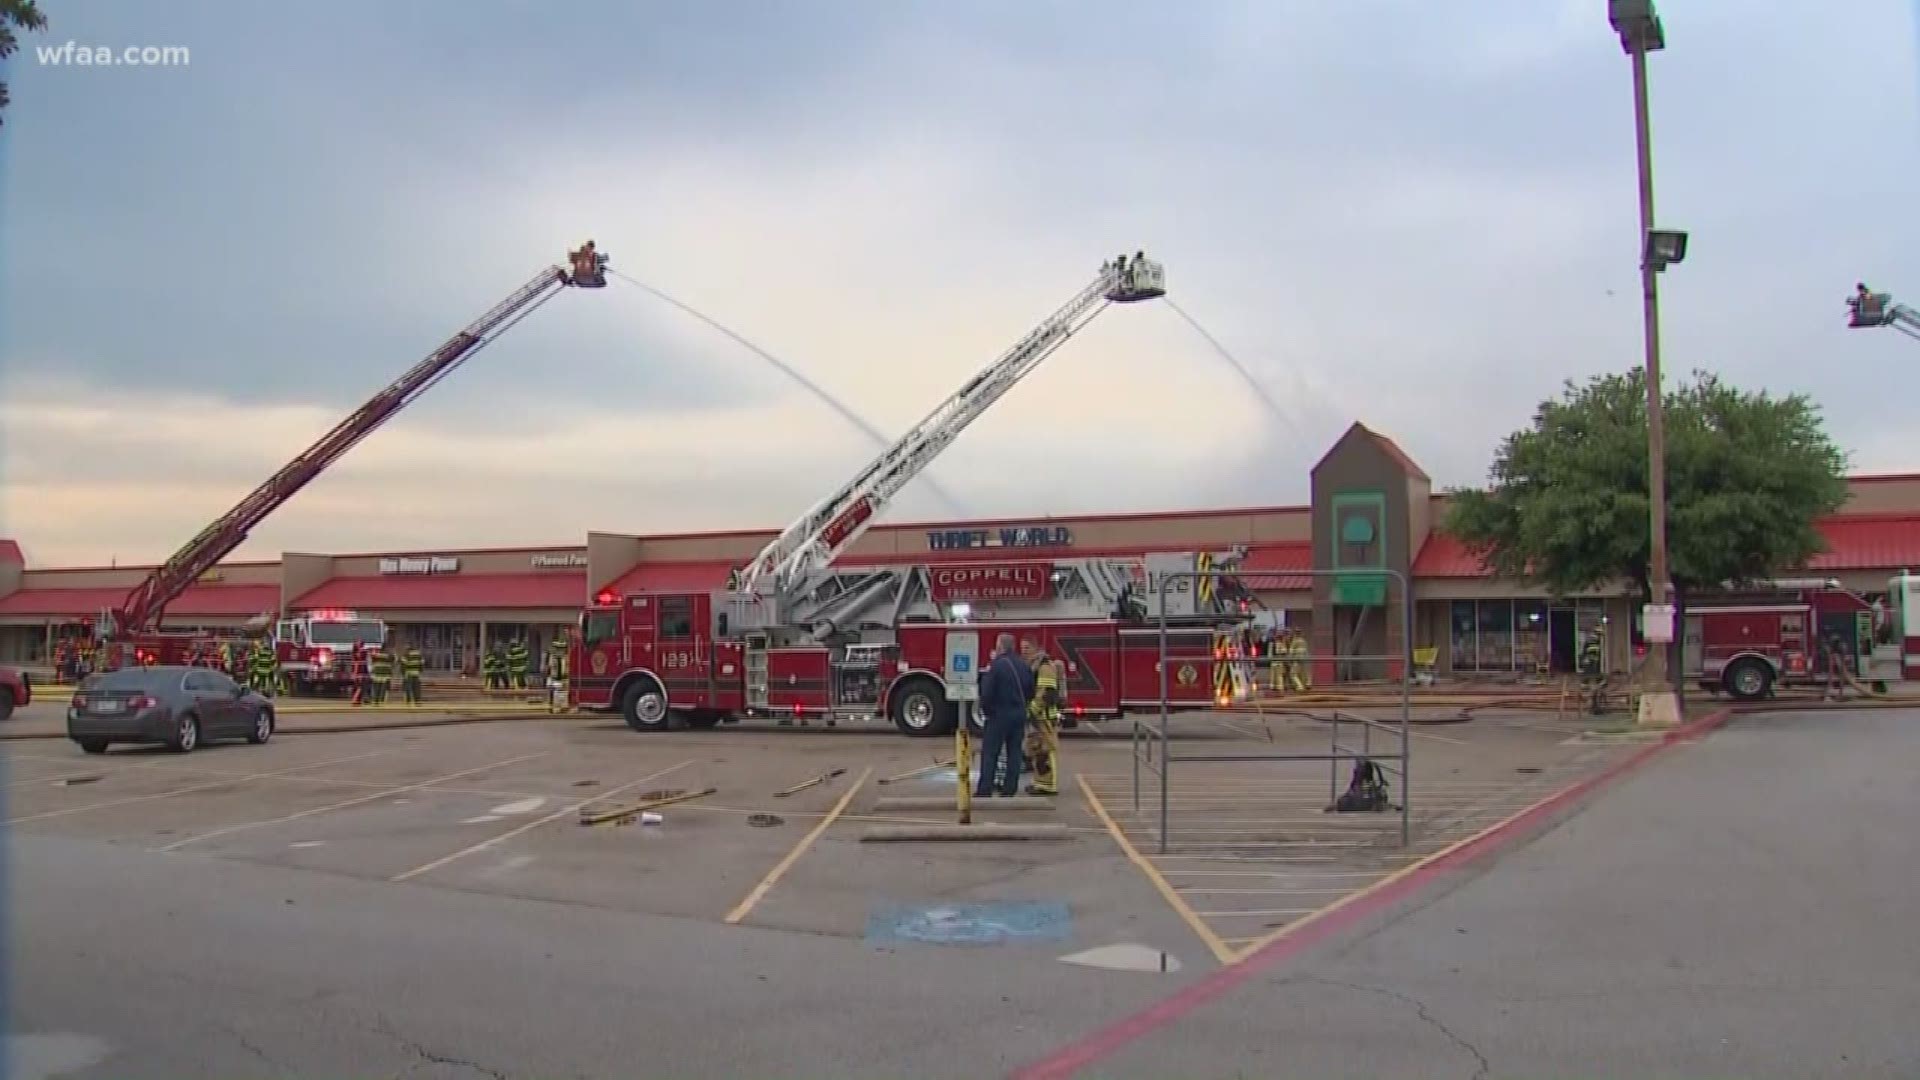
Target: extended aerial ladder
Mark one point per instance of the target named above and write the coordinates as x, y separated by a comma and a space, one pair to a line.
1866, 308
785, 569
793, 581
144, 606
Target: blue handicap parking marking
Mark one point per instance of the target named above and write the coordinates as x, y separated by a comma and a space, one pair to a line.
969, 924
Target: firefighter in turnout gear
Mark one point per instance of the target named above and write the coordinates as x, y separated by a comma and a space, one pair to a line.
1043, 722
380, 675
517, 663
557, 673
1298, 679
357, 673
263, 669
493, 669
411, 666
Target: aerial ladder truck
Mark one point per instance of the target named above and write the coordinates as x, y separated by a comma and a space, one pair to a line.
794, 634
131, 633
1866, 308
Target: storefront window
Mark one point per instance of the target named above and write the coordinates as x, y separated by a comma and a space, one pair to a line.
1530, 645
1464, 654
1495, 632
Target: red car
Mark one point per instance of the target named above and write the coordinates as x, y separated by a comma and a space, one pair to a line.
16, 689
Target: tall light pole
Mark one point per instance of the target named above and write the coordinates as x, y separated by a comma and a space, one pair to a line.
1640, 33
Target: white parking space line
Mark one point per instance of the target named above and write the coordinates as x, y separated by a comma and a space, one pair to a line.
573, 808
102, 773
225, 782
387, 793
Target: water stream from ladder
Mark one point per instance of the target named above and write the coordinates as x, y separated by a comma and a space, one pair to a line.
1287, 418
819, 392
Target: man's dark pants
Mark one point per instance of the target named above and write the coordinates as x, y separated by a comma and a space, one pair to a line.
1004, 734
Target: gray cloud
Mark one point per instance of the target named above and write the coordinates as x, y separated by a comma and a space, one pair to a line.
1415, 214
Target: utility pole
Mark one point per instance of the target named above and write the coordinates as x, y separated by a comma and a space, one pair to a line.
1640, 33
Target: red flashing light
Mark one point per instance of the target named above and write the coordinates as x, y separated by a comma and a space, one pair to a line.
323, 657
607, 598
1079, 710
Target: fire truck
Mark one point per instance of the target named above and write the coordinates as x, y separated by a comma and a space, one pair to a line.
796, 635
1783, 634
316, 649
131, 633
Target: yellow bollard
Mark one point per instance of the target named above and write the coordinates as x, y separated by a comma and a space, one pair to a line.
963, 763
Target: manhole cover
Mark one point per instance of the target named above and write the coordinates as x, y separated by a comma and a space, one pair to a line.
71, 781
586, 783
765, 821
1527, 769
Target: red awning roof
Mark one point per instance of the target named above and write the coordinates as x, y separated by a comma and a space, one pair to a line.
1444, 556
1854, 542
230, 601
552, 589
1278, 567
1869, 542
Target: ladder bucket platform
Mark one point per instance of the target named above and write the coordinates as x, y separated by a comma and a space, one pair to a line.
949, 803
964, 833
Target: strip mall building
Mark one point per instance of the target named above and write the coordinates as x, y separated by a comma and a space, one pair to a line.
1372, 507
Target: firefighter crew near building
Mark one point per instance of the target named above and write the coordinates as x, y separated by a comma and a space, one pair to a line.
411, 665
557, 673
358, 672
263, 669
380, 675
493, 669
517, 663
1043, 721
1297, 672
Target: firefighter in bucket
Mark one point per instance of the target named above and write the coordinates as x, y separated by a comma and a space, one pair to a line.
589, 268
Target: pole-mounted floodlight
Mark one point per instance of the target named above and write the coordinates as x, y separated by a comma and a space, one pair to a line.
1637, 25
1665, 247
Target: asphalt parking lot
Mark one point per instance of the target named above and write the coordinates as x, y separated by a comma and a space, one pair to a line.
495, 809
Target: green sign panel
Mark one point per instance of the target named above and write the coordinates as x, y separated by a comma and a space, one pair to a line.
1360, 589
1359, 546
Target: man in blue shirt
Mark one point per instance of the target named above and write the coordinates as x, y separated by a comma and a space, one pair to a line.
1005, 688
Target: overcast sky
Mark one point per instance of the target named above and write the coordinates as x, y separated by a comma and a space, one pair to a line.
1420, 215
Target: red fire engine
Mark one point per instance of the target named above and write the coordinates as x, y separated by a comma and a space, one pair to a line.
1783, 634
796, 635
316, 649
131, 633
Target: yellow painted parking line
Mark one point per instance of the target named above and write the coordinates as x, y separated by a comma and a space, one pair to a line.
224, 782
534, 824
1172, 896
342, 805
774, 875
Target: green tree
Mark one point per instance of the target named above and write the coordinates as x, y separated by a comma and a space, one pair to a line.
1748, 474
25, 15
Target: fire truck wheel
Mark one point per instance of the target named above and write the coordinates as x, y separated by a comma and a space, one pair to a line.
921, 710
645, 706
1748, 679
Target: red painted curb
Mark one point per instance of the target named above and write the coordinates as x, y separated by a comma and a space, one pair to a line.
1104, 1043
